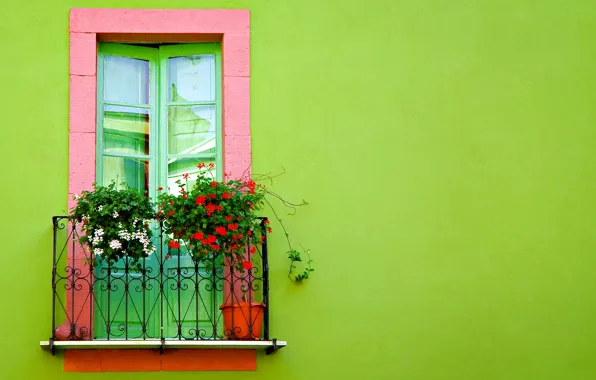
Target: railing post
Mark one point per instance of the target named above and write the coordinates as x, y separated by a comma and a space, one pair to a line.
266, 299
161, 288
55, 221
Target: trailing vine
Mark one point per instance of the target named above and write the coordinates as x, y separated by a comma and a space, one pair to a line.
294, 273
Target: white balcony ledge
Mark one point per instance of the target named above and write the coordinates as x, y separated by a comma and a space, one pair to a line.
268, 345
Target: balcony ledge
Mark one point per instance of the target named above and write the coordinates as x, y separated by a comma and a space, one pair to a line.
269, 346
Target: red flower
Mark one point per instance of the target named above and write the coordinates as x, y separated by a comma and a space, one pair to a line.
159, 212
253, 249
213, 184
262, 237
227, 195
182, 189
211, 239
171, 212
269, 230
229, 218
233, 247
201, 165
185, 196
247, 265
212, 196
200, 200
212, 165
215, 247
266, 221
233, 227
211, 208
249, 233
198, 235
221, 230
185, 175
174, 244
160, 188
171, 203
251, 186
239, 236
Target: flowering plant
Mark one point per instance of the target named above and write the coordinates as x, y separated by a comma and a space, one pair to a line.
213, 219
115, 222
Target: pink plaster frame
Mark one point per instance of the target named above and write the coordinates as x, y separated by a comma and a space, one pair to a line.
88, 26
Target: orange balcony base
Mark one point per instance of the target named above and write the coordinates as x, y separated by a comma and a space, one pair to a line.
155, 355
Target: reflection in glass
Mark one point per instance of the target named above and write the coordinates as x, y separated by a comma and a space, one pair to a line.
191, 129
126, 130
126, 80
133, 171
191, 79
178, 166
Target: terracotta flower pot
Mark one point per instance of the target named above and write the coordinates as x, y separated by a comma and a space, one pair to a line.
247, 320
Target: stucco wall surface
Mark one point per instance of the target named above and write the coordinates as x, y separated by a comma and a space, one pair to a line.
447, 152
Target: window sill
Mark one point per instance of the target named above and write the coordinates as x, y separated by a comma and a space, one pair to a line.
269, 346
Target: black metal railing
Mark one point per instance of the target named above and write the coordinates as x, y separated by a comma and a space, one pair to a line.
166, 296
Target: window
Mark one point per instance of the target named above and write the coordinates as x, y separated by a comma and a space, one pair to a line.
158, 116
158, 113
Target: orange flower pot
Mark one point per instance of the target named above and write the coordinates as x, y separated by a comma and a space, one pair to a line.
243, 321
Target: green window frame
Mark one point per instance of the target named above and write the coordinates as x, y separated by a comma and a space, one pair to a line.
155, 105
158, 107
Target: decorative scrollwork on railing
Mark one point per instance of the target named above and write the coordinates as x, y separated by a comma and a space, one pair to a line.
165, 296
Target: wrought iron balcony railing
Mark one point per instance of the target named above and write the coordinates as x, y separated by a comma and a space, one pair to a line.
165, 300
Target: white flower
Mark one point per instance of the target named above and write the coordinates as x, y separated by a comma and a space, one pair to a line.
100, 208
149, 250
115, 244
98, 251
124, 235
97, 236
115, 215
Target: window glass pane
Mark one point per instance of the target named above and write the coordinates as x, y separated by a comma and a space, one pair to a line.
191, 78
133, 171
178, 166
126, 130
191, 129
126, 80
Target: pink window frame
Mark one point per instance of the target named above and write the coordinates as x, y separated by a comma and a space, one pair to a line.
88, 26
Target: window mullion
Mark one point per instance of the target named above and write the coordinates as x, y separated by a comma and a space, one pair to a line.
154, 124
99, 121
162, 149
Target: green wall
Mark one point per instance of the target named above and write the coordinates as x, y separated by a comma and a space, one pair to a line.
447, 150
